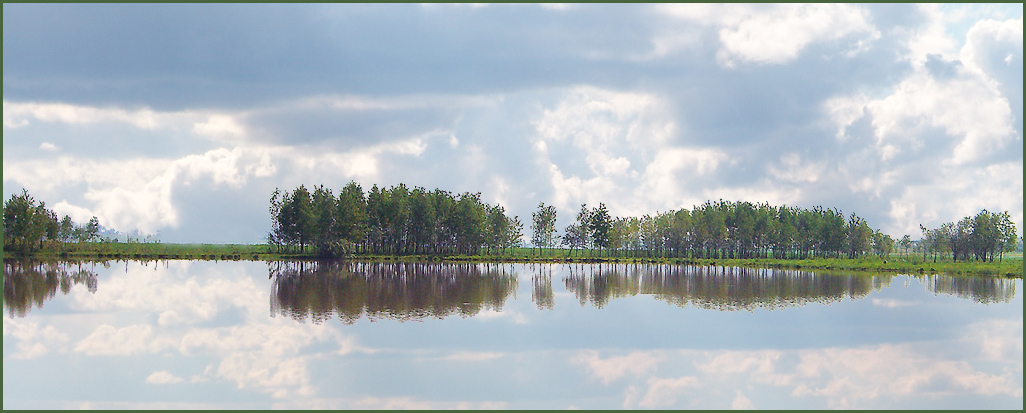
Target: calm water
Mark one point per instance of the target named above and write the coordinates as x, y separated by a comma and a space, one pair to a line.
336, 335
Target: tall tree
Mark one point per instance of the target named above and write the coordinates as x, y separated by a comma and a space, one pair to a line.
543, 226
599, 224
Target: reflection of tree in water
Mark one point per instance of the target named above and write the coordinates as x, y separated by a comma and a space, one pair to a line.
541, 291
28, 283
397, 291
984, 290
720, 288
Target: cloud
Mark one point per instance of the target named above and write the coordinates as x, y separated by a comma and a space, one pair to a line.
33, 341
892, 303
107, 340
741, 403
185, 300
664, 392
984, 361
777, 34
17, 114
387, 403
473, 356
163, 377
610, 369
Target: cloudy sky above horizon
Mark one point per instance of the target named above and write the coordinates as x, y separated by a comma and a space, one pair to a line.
182, 119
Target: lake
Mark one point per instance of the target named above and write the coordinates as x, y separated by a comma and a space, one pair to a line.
339, 335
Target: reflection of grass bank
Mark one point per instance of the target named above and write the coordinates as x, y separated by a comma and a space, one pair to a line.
1010, 266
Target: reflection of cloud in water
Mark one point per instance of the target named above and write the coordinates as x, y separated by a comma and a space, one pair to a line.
613, 368
386, 403
33, 340
168, 308
892, 303
396, 291
721, 288
861, 377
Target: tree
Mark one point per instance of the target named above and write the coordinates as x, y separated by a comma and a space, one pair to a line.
543, 226
276, 237
1008, 238
858, 236
351, 214
905, 243
66, 230
92, 230
28, 225
296, 218
326, 231
514, 233
496, 227
576, 234
599, 224
882, 244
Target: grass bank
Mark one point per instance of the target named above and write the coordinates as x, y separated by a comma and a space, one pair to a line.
1010, 266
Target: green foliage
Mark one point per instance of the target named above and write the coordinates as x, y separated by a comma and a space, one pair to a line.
388, 221
30, 227
981, 237
543, 226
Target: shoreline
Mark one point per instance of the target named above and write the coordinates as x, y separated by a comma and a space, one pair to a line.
1007, 267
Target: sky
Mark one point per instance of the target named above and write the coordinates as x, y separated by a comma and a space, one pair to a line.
180, 120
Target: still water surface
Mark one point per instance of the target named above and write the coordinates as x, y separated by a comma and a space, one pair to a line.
198, 334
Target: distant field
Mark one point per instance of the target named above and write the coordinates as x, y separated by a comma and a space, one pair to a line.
1011, 265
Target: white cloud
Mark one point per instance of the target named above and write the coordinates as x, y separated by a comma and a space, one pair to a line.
998, 340
664, 392
624, 141
33, 341
771, 35
474, 356
792, 169
933, 38
137, 193
612, 368
741, 403
385, 403
220, 126
976, 120
107, 340
49, 147
487, 314
892, 303
20, 114
163, 377
989, 41
852, 377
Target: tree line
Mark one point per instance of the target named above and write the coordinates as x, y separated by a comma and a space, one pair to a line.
401, 221
979, 237
396, 221
720, 229
29, 226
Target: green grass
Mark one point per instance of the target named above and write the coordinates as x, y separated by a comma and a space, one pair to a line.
1010, 266
143, 251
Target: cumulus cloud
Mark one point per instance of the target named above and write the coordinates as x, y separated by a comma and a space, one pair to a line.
853, 377
108, 340
163, 377
612, 368
33, 340
777, 34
